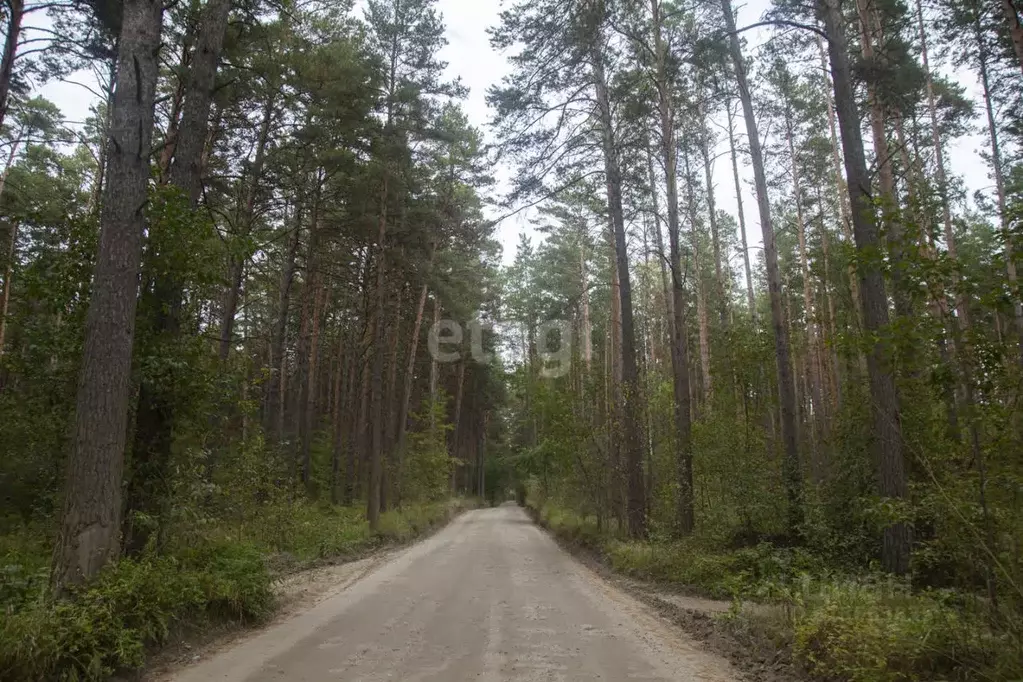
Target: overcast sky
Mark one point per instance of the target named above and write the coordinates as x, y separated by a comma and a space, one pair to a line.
471, 58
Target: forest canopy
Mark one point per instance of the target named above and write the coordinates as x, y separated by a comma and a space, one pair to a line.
229, 302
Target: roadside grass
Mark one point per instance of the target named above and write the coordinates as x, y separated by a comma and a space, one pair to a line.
837, 626
208, 571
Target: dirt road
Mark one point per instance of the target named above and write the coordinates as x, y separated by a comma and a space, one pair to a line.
492, 598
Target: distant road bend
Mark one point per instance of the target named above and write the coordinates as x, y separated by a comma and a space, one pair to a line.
489, 598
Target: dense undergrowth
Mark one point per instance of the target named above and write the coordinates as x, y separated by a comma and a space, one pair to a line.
838, 625
207, 572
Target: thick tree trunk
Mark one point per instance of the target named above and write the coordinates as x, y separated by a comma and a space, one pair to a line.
615, 390
154, 431
10, 54
186, 169
1012, 22
786, 388
884, 398
90, 521
742, 216
871, 31
170, 138
633, 441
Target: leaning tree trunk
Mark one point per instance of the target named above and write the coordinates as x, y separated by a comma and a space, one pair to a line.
786, 389
90, 521
884, 398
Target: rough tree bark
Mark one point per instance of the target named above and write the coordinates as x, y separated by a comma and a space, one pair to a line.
90, 521
154, 431
884, 399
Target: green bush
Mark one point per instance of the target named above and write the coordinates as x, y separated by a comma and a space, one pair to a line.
839, 628
209, 570
108, 624
880, 632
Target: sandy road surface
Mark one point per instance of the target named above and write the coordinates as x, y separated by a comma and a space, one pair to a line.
491, 598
